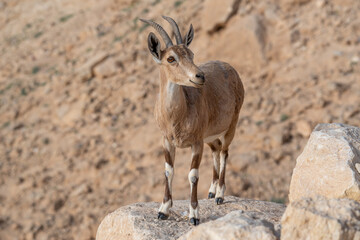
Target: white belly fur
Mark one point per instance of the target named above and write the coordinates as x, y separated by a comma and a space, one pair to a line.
214, 137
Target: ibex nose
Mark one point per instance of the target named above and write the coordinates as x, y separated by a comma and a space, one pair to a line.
200, 75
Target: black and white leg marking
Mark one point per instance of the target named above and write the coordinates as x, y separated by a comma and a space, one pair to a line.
194, 206
219, 197
197, 150
169, 152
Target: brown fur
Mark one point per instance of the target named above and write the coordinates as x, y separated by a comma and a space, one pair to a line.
193, 113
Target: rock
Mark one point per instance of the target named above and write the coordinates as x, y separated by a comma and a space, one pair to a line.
354, 60
216, 15
139, 221
235, 225
68, 114
2, 5
328, 164
105, 69
321, 218
86, 71
321, 3
288, 4
250, 34
303, 128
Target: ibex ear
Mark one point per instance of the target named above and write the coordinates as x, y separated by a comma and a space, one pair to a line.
189, 36
154, 47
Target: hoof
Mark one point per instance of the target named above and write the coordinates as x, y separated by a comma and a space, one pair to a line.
219, 200
211, 195
162, 216
194, 221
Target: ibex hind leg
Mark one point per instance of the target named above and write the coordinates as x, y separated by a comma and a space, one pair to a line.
215, 149
226, 141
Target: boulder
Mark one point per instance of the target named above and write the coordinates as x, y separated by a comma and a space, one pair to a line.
321, 218
329, 165
303, 128
248, 34
216, 15
235, 225
139, 221
86, 71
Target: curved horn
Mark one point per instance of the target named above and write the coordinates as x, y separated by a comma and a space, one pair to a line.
175, 29
161, 31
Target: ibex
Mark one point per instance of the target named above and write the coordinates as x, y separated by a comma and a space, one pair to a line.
195, 105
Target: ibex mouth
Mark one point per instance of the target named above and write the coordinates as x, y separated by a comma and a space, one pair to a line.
200, 84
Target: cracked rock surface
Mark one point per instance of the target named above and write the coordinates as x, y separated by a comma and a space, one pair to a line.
242, 217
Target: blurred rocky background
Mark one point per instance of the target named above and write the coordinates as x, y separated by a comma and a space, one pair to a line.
77, 89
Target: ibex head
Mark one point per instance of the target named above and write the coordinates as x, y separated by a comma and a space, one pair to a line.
175, 60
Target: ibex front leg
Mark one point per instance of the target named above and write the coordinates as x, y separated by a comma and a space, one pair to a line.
197, 150
169, 152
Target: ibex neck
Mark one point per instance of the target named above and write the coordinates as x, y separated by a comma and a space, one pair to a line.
173, 97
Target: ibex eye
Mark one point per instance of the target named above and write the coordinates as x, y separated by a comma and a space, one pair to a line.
171, 59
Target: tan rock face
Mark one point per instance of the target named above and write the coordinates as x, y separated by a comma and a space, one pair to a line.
139, 221
215, 14
249, 33
327, 166
321, 218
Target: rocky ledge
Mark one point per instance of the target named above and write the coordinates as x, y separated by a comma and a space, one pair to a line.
308, 218
237, 217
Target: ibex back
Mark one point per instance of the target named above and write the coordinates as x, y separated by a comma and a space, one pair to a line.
196, 105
